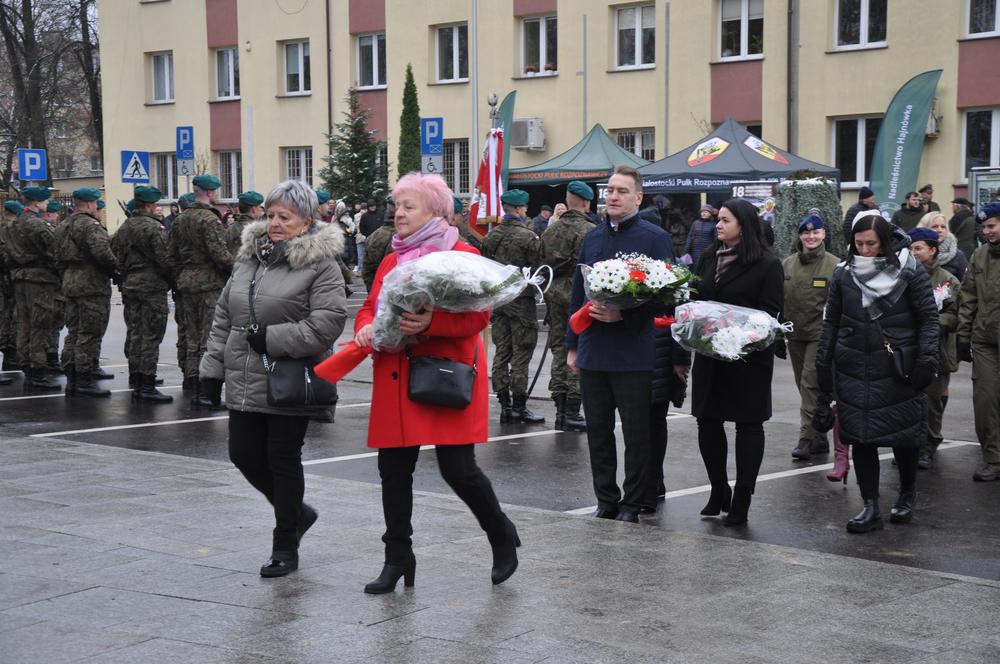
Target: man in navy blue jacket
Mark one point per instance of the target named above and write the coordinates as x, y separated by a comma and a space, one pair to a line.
615, 355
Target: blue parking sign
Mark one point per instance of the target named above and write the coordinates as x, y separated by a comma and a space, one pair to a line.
431, 135
32, 165
185, 143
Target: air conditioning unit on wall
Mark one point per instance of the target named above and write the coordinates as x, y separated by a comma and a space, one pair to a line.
528, 134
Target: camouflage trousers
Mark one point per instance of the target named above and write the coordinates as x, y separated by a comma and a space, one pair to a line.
146, 321
197, 312
58, 325
562, 380
86, 322
36, 315
515, 332
8, 319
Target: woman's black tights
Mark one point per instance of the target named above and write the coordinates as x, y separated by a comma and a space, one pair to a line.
866, 466
713, 445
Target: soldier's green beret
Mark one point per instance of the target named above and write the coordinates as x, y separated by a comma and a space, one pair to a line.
13, 207
581, 189
36, 193
322, 196
87, 194
515, 197
207, 182
54, 206
130, 206
252, 198
389, 201
100, 204
185, 201
147, 194
458, 204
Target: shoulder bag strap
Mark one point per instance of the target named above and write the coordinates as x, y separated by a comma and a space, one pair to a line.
253, 319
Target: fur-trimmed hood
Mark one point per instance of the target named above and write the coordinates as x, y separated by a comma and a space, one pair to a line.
322, 242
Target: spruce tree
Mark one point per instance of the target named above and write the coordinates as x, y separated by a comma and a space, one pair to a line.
409, 128
352, 167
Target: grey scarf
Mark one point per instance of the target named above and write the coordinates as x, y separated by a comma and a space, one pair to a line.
947, 249
881, 284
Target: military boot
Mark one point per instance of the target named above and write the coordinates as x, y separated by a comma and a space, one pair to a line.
199, 401
100, 374
39, 379
146, 390
10, 360
52, 364
503, 396
519, 412
86, 386
574, 420
560, 402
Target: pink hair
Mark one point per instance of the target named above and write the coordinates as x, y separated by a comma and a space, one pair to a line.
431, 188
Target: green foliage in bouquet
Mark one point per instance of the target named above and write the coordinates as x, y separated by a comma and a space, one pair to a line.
795, 199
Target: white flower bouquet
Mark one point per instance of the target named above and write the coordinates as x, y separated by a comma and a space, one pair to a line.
724, 331
942, 294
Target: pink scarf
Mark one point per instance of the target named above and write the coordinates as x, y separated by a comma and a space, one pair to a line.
435, 235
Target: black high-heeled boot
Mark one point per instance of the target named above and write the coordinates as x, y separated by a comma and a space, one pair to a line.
866, 520
387, 580
719, 501
902, 509
505, 555
739, 508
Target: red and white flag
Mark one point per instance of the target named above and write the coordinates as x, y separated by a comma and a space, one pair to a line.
486, 196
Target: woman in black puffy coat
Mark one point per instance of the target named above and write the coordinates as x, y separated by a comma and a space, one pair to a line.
879, 296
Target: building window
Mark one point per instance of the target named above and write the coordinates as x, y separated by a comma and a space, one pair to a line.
456, 165
371, 61
60, 129
853, 145
95, 165
861, 22
163, 77
163, 174
640, 142
231, 174
539, 46
382, 160
299, 164
982, 139
984, 17
636, 36
297, 69
227, 73
62, 165
741, 28
453, 53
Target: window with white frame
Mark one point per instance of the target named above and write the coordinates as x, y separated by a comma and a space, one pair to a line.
453, 53
231, 174
95, 165
539, 46
227, 73
297, 67
382, 159
741, 28
371, 61
853, 146
861, 23
62, 165
163, 174
984, 17
640, 142
636, 36
163, 77
60, 129
299, 164
456, 165
982, 139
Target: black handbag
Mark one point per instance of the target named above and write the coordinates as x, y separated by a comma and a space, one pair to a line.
292, 382
903, 358
438, 381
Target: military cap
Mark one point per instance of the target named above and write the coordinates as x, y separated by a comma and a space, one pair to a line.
13, 207
990, 210
321, 195
147, 194
515, 197
961, 200
252, 198
186, 201
581, 189
813, 222
458, 204
100, 204
88, 194
922, 234
130, 206
54, 206
36, 193
207, 182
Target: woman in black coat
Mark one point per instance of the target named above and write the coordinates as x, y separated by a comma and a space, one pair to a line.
738, 268
880, 296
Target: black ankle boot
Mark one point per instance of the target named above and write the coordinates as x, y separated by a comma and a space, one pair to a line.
803, 450
503, 396
387, 580
560, 401
52, 364
9, 360
902, 509
280, 564
100, 374
307, 517
39, 379
574, 421
147, 389
867, 519
86, 386
718, 501
520, 413
739, 508
505, 554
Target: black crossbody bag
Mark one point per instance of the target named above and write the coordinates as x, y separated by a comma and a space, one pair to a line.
903, 358
438, 381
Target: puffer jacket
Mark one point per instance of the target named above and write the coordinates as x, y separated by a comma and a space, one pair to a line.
874, 407
979, 310
669, 354
299, 296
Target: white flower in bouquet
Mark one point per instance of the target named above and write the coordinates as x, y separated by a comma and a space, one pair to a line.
941, 294
729, 342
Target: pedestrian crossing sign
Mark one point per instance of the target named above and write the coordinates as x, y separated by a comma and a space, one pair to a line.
135, 166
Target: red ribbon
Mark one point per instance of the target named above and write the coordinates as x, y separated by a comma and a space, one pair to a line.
581, 320
661, 322
341, 363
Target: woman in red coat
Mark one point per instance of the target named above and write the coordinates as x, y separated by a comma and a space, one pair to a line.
398, 426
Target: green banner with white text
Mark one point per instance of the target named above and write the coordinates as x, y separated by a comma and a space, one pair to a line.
900, 143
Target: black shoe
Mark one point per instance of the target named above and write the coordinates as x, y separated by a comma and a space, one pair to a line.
902, 509
718, 501
820, 446
38, 379
189, 384
100, 374
387, 580
632, 516
803, 450
604, 513
148, 391
519, 412
280, 565
505, 555
574, 420
867, 519
86, 386
739, 509
307, 517
926, 460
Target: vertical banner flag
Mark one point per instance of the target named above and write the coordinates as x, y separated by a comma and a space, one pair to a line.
506, 116
900, 143
485, 205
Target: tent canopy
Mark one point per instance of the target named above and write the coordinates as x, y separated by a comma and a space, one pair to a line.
593, 159
729, 154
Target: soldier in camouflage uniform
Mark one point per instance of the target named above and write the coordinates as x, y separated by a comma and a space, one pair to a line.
84, 252
203, 265
514, 325
140, 246
8, 321
184, 202
250, 211
51, 216
460, 221
379, 245
561, 243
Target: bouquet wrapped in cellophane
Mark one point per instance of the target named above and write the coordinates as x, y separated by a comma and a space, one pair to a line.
724, 331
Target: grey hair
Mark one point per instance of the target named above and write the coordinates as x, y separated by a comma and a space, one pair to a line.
295, 195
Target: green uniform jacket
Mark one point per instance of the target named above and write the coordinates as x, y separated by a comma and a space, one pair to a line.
561, 243
85, 256
979, 308
141, 248
807, 282
511, 243
947, 317
377, 246
31, 250
198, 252
235, 232
907, 219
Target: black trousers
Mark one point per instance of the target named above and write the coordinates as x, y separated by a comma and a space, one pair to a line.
657, 453
458, 468
267, 449
628, 392
866, 467
714, 448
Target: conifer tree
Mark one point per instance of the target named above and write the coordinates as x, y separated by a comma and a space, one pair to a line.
409, 128
353, 168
